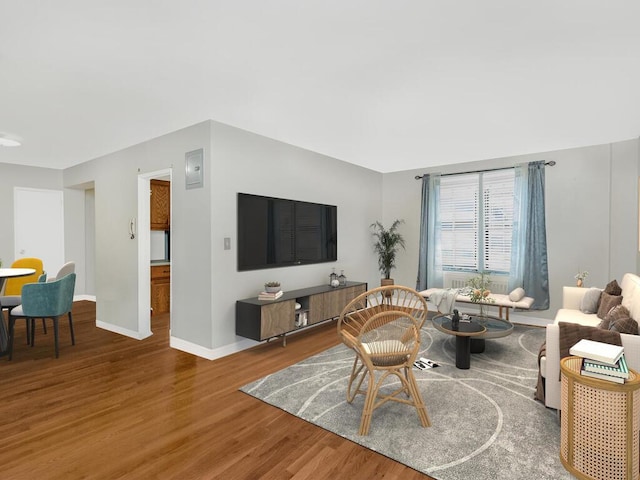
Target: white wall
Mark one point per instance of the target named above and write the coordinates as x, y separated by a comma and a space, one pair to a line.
245, 162
591, 213
19, 176
592, 220
205, 280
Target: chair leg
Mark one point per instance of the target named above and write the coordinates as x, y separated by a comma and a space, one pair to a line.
55, 335
32, 338
44, 326
73, 338
12, 324
417, 399
29, 326
369, 402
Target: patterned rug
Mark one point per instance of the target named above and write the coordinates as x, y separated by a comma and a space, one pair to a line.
485, 423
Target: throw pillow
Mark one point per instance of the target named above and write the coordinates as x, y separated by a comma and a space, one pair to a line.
604, 323
620, 321
607, 302
589, 302
613, 288
517, 294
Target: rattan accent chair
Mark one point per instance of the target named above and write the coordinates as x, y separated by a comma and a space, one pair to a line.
383, 327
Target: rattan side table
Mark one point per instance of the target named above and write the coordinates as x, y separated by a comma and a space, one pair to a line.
600, 424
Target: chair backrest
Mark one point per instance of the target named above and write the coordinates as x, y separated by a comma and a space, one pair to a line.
13, 285
66, 269
382, 299
389, 338
49, 299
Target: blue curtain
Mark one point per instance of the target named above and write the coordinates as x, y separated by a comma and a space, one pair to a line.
535, 264
430, 259
421, 281
518, 236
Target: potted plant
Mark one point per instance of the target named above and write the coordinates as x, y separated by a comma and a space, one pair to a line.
478, 291
580, 276
386, 245
272, 287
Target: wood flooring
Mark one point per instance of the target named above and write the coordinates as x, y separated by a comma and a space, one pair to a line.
116, 408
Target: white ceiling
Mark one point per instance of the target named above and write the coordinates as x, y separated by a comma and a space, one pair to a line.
391, 85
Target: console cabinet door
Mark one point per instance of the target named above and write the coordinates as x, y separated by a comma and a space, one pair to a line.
334, 302
277, 318
330, 304
316, 308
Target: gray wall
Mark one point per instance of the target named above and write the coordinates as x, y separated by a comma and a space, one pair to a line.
591, 206
205, 281
592, 220
249, 163
18, 176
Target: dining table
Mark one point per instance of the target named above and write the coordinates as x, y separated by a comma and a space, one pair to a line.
4, 274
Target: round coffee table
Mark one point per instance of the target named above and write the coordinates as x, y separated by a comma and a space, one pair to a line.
496, 328
465, 330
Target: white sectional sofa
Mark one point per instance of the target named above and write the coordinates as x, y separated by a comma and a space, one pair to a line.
570, 312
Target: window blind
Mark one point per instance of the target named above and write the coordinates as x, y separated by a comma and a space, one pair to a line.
476, 221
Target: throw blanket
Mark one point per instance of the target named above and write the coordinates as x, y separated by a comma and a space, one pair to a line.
444, 299
570, 334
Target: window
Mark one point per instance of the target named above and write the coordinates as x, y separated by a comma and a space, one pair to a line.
476, 218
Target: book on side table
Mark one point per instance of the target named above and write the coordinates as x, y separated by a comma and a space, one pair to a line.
602, 352
601, 360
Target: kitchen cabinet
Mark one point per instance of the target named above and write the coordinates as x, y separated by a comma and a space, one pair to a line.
160, 204
160, 288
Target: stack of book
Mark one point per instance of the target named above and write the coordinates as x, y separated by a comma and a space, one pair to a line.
601, 360
270, 296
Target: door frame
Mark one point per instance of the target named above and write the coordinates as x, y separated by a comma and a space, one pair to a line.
144, 250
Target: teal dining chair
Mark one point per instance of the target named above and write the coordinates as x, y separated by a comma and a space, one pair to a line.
44, 300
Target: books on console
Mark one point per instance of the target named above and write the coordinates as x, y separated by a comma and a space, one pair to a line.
602, 352
270, 296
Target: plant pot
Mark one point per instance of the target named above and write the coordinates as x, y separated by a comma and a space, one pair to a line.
384, 282
272, 289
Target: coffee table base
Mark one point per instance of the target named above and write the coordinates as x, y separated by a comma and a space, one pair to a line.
463, 352
477, 345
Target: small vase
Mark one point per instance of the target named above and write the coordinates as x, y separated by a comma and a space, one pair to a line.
342, 279
579, 283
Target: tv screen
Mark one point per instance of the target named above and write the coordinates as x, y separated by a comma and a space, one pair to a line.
276, 232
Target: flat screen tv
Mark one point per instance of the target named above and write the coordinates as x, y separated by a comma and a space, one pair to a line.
276, 232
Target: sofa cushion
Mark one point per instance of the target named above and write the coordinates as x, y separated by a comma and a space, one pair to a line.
576, 316
589, 302
613, 288
619, 320
516, 294
607, 302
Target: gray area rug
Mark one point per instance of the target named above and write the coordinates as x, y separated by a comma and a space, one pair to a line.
485, 422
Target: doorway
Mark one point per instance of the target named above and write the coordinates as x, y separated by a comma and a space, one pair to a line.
37, 211
144, 249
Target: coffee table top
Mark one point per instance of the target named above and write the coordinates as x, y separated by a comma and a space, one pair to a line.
466, 328
494, 327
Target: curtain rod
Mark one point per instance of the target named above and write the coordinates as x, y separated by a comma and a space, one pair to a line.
419, 177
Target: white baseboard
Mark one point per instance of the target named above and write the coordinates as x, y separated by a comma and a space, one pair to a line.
77, 298
123, 331
210, 353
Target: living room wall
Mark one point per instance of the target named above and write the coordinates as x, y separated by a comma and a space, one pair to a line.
591, 213
205, 280
250, 163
